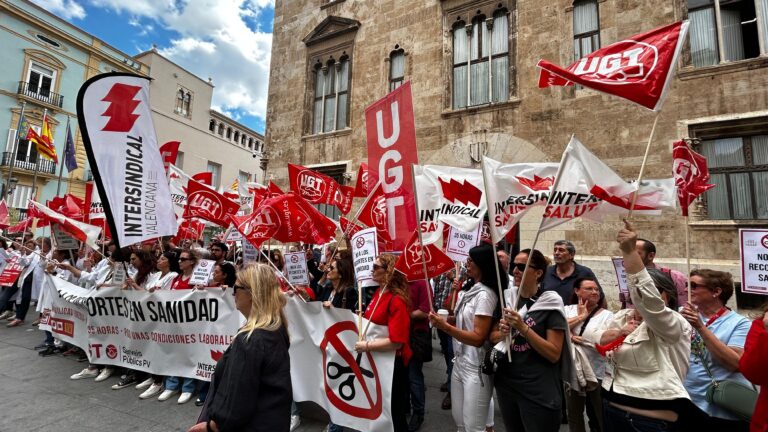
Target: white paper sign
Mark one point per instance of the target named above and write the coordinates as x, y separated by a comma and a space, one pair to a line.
62, 239
118, 275
234, 236
202, 272
460, 242
365, 249
621, 274
250, 253
753, 246
296, 268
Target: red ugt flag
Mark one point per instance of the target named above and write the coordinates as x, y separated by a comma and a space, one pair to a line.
410, 262
205, 203
691, 174
637, 68
319, 188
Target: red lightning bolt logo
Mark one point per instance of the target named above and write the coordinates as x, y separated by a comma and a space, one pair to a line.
120, 110
463, 192
537, 183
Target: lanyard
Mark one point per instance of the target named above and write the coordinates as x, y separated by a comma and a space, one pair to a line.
717, 315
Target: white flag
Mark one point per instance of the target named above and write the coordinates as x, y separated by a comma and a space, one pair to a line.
513, 189
428, 197
116, 123
462, 201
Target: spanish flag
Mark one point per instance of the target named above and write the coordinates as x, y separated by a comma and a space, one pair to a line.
44, 141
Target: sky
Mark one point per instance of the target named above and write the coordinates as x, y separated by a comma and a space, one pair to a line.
227, 40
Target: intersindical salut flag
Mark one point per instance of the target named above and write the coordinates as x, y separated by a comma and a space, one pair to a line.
587, 187
462, 200
513, 189
119, 136
429, 202
355, 389
637, 68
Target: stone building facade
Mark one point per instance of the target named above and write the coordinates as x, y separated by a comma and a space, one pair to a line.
332, 59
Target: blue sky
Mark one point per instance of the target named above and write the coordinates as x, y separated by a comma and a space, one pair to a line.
227, 40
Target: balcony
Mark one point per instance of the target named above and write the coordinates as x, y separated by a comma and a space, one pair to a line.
41, 95
45, 166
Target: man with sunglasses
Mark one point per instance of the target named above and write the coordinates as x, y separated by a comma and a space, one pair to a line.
561, 276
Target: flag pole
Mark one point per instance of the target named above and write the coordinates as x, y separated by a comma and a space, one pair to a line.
14, 150
353, 222
688, 256
37, 163
421, 241
642, 166
61, 168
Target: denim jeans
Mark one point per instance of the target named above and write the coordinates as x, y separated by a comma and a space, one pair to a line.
5, 297
187, 386
418, 390
617, 420
446, 345
335, 428
48, 338
203, 393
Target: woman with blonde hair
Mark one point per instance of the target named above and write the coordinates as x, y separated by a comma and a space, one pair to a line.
390, 306
251, 388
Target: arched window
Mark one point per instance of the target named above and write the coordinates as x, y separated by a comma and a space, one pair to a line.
229, 133
396, 68
237, 136
179, 101
250, 142
331, 95
187, 104
481, 60
212, 125
221, 129
242, 140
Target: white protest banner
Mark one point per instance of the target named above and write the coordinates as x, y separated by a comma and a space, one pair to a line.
355, 388
365, 249
250, 253
67, 320
173, 333
460, 242
753, 246
296, 268
62, 239
202, 272
621, 275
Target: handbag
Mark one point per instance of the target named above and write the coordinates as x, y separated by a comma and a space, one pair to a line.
490, 361
738, 398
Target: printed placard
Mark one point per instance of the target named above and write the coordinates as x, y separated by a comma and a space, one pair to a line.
621, 274
460, 242
296, 268
62, 239
11, 272
250, 253
753, 247
365, 249
202, 272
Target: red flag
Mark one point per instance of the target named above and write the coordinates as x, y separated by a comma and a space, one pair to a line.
286, 218
68, 205
391, 139
691, 174
274, 190
638, 68
5, 220
205, 178
318, 188
366, 180
373, 213
84, 232
205, 203
352, 229
169, 151
410, 262
34, 213
188, 229
21, 226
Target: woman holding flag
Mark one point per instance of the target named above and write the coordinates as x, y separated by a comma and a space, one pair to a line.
471, 390
390, 307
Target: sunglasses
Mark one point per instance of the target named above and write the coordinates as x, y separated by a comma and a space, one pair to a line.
185, 259
521, 267
379, 267
238, 287
695, 285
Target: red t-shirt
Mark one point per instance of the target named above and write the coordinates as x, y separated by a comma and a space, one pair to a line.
393, 313
180, 284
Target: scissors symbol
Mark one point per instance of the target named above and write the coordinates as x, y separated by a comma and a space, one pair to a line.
347, 387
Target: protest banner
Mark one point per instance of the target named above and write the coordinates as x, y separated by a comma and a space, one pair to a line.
621, 275
173, 333
62, 239
460, 242
365, 249
753, 247
202, 272
11, 272
354, 388
296, 268
67, 320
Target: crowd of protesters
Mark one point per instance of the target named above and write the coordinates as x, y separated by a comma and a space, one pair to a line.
528, 336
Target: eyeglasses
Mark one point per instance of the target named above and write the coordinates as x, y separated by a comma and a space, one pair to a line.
185, 259
238, 287
379, 267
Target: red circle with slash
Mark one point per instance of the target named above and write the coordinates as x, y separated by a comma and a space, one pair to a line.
332, 337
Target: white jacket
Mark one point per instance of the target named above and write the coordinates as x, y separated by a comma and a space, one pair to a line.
653, 361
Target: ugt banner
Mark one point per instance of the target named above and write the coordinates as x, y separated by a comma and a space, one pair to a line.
119, 136
391, 137
355, 388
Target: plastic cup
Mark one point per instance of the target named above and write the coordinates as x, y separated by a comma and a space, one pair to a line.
443, 313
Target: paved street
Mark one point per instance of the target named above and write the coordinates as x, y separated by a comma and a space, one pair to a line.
39, 396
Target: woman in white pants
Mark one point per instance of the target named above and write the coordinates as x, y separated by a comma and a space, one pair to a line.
471, 390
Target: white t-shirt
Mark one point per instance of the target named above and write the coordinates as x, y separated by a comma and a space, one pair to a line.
156, 281
597, 322
482, 301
